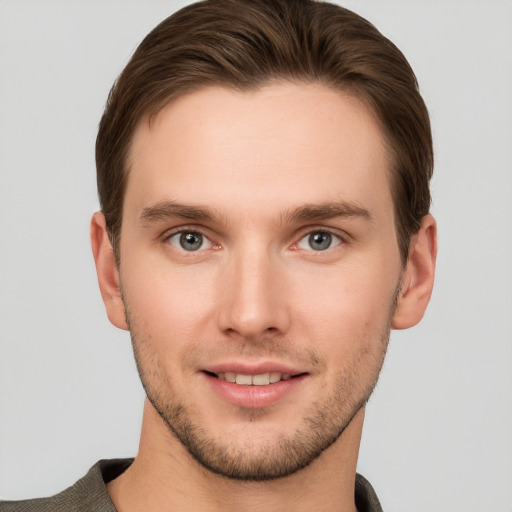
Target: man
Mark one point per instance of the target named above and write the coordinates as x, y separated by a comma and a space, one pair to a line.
263, 171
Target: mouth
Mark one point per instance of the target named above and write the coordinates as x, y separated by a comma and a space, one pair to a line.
262, 379
254, 387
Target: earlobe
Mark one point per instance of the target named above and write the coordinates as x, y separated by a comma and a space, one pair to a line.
107, 272
418, 278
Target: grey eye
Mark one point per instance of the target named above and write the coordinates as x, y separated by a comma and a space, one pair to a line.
319, 241
188, 240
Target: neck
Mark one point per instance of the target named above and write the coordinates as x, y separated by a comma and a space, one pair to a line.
165, 477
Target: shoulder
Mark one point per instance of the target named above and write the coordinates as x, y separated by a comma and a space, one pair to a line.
365, 496
86, 495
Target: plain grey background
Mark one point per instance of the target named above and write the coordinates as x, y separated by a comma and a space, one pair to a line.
438, 433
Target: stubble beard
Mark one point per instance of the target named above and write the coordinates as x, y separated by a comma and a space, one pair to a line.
321, 426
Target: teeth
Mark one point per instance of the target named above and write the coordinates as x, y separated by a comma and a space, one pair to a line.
275, 377
261, 380
254, 380
230, 377
245, 380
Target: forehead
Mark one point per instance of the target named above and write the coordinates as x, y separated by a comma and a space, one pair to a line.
284, 143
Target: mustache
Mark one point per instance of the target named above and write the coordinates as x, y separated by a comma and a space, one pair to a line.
203, 352
266, 346
269, 348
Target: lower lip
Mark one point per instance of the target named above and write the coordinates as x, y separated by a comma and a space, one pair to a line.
253, 397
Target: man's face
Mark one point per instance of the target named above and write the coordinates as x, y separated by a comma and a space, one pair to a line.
258, 245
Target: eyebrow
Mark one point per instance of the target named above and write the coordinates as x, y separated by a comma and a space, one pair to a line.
169, 209
324, 211
306, 213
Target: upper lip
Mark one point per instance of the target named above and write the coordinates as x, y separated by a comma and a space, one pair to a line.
246, 368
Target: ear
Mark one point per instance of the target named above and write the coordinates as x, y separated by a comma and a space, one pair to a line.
418, 278
107, 271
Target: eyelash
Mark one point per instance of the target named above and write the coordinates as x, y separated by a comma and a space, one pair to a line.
334, 237
189, 231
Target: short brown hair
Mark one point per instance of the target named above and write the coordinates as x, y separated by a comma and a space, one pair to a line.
243, 44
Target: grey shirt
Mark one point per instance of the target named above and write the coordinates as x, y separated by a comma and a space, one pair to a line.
90, 494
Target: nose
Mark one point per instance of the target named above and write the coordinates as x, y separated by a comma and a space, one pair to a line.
253, 296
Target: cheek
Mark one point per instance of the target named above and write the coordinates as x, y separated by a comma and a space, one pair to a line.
169, 303
344, 310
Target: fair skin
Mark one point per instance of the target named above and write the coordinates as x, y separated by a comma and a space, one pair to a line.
258, 239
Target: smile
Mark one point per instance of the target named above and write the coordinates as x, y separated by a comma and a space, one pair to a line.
263, 379
254, 387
